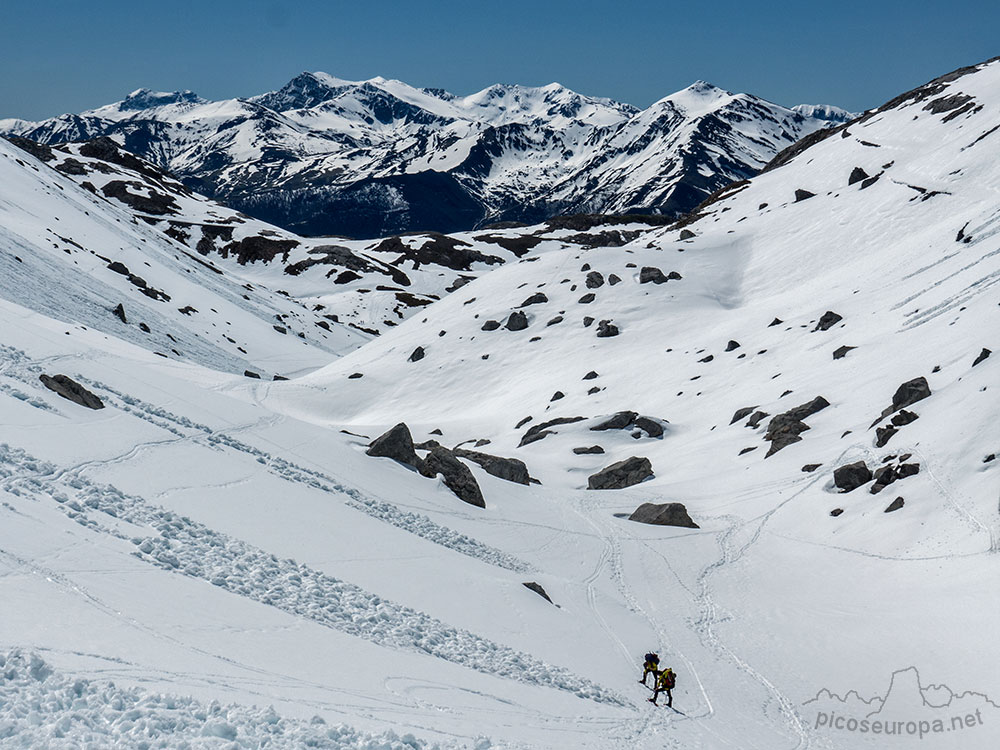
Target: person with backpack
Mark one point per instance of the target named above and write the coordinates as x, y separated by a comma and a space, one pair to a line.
650, 666
665, 682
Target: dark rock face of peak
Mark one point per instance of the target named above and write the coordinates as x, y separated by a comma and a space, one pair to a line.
303, 91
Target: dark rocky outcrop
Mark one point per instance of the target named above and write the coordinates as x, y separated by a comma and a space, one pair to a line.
621, 474
72, 391
652, 274
745, 411
535, 299
538, 590
908, 393
457, 476
836, 512
883, 434
785, 428
509, 469
687, 234
666, 514
851, 476
904, 417
587, 298
119, 312
809, 468
801, 195
555, 320
618, 421
857, 175
541, 430
606, 329
895, 505
517, 321
982, 355
756, 418
650, 426
397, 444
251, 374
591, 375
417, 355
588, 450
614, 279
594, 280
491, 325
841, 351
827, 321
733, 344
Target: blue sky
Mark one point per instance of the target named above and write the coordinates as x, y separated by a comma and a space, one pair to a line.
67, 56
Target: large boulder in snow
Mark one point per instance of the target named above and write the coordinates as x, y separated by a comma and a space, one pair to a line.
71, 390
851, 476
517, 321
622, 474
511, 469
397, 444
667, 514
457, 476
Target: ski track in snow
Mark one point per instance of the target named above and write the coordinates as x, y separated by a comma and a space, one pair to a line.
192, 549
18, 365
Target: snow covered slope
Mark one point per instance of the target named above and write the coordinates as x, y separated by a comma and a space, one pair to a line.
372, 158
211, 543
369, 285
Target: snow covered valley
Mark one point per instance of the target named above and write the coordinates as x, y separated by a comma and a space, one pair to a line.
807, 364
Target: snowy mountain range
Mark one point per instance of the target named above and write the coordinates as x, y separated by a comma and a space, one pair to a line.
760, 440
324, 156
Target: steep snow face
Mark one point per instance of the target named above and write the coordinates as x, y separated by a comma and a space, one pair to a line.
369, 158
76, 255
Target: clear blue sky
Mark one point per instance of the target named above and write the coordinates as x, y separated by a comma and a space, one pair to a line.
67, 56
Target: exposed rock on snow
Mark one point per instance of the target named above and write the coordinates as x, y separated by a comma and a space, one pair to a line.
666, 514
517, 321
537, 588
784, 429
457, 476
606, 329
894, 505
397, 444
908, 393
511, 469
827, 321
851, 476
621, 474
71, 390
981, 356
